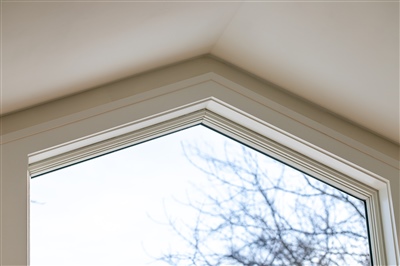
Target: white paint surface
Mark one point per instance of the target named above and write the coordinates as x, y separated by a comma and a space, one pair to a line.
343, 56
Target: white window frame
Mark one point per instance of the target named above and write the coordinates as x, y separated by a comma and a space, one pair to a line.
217, 102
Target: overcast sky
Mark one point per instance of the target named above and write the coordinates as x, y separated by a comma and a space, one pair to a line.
114, 210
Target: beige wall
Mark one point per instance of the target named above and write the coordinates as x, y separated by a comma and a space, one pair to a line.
355, 151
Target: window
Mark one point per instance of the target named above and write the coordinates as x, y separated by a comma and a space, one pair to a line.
203, 91
194, 197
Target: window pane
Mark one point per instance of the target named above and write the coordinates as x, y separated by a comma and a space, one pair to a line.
194, 197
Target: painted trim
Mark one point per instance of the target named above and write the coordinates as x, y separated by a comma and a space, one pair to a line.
382, 234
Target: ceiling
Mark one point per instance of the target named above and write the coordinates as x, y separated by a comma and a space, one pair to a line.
343, 56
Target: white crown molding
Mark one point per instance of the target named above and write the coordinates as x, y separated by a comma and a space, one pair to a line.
150, 84
324, 129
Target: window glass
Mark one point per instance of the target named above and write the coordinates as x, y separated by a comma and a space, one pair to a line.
194, 197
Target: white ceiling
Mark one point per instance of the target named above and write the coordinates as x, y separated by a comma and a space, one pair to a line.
343, 56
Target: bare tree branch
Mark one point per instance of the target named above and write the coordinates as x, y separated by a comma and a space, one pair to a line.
261, 212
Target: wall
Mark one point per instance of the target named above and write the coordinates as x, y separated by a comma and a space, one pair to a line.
355, 152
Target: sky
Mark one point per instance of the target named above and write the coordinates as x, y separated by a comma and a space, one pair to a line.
111, 210
115, 209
